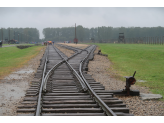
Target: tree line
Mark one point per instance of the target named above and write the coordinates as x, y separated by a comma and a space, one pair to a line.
20, 34
100, 34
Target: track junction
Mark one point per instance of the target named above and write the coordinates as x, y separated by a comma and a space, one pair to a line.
62, 87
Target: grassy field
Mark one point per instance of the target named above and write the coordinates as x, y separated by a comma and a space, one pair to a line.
147, 60
12, 58
15, 44
9, 45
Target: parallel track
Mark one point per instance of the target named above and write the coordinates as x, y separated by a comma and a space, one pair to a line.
67, 90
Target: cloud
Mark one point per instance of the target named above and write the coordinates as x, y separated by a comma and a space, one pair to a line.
42, 17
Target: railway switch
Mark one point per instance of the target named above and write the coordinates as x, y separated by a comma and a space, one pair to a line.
99, 52
130, 80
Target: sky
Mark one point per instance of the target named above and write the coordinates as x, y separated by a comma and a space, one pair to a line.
98, 15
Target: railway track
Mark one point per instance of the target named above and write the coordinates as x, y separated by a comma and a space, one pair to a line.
62, 87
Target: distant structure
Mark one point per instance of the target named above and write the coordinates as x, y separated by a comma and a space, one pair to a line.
75, 39
6, 39
13, 41
121, 38
92, 40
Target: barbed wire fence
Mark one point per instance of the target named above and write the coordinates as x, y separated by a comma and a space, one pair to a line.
157, 40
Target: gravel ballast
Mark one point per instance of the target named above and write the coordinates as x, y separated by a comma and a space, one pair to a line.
67, 52
81, 46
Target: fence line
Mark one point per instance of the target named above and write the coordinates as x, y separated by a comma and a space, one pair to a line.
157, 40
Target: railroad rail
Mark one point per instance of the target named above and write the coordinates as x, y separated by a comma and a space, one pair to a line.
71, 48
62, 87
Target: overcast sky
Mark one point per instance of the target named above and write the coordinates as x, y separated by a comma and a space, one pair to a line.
42, 17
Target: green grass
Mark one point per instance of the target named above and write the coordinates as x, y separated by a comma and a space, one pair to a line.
9, 44
12, 58
15, 44
147, 60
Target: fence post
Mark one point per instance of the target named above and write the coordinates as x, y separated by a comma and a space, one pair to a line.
157, 40
2, 34
137, 41
149, 40
144, 42
133, 40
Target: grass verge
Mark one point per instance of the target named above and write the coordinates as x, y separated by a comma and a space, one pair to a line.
147, 60
12, 58
15, 44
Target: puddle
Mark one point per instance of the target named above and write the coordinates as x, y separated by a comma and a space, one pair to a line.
10, 94
12, 89
26, 71
20, 74
15, 76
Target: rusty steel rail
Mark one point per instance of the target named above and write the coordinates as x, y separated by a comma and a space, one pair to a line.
106, 109
49, 74
44, 82
69, 47
39, 103
62, 87
84, 88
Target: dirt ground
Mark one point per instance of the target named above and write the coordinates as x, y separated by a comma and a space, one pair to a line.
13, 87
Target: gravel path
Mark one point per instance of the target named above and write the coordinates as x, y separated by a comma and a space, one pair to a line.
100, 69
81, 46
14, 86
67, 52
